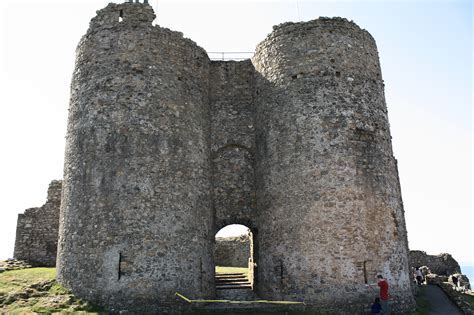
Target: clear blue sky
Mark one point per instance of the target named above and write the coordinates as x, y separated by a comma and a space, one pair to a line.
425, 50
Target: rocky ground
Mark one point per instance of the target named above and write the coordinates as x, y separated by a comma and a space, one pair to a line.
13, 264
35, 291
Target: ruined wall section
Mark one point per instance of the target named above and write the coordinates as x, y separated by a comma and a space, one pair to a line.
232, 251
232, 142
330, 211
135, 223
442, 264
37, 230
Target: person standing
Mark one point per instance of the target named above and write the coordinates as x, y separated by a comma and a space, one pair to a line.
419, 276
455, 281
383, 285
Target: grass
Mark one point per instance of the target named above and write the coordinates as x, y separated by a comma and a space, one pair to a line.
422, 304
35, 290
18, 280
468, 298
225, 269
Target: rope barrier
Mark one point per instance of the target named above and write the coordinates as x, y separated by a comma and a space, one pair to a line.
238, 302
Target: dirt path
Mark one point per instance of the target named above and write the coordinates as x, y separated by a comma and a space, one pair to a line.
440, 304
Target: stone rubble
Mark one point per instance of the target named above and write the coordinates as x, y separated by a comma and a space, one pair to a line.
13, 264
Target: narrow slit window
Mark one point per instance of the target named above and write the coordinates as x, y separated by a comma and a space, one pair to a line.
119, 263
121, 16
365, 272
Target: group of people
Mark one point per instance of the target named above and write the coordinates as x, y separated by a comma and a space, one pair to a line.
380, 304
419, 277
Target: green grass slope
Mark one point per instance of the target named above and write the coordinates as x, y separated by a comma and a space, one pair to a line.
35, 290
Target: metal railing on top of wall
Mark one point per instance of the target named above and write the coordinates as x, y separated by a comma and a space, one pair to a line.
230, 55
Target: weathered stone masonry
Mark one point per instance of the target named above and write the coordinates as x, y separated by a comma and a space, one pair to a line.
165, 147
37, 230
442, 264
232, 251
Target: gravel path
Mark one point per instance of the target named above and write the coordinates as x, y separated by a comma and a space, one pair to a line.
440, 304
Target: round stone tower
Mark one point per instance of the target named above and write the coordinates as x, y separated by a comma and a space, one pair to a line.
330, 210
136, 221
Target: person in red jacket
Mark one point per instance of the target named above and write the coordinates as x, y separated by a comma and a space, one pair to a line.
383, 285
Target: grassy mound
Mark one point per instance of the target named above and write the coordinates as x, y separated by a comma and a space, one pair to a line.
35, 290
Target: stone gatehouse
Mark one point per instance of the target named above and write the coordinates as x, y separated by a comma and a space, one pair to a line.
165, 147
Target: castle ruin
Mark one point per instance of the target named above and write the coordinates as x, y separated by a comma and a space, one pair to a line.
165, 147
37, 230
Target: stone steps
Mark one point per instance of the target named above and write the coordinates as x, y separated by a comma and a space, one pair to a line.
236, 287
232, 281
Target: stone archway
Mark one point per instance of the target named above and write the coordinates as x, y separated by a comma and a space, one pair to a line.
234, 260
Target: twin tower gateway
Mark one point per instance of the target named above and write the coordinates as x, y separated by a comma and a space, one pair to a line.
165, 147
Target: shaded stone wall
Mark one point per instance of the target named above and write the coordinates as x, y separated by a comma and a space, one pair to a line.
232, 251
330, 209
37, 230
442, 264
232, 142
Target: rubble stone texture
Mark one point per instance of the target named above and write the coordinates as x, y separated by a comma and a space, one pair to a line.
165, 147
232, 251
442, 264
463, 281
37, 230
14, 264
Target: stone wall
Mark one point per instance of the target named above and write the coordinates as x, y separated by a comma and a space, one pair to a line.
37, 230
330, 209
136, 217
232, 251
165, 147
442, 264
232, 142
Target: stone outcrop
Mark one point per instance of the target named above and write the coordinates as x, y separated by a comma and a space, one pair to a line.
442, 264
463, 281
37, 230
165, 147
232, 251
13, 264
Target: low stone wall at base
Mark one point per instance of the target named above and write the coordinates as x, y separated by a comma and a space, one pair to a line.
455, 296
343, 306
